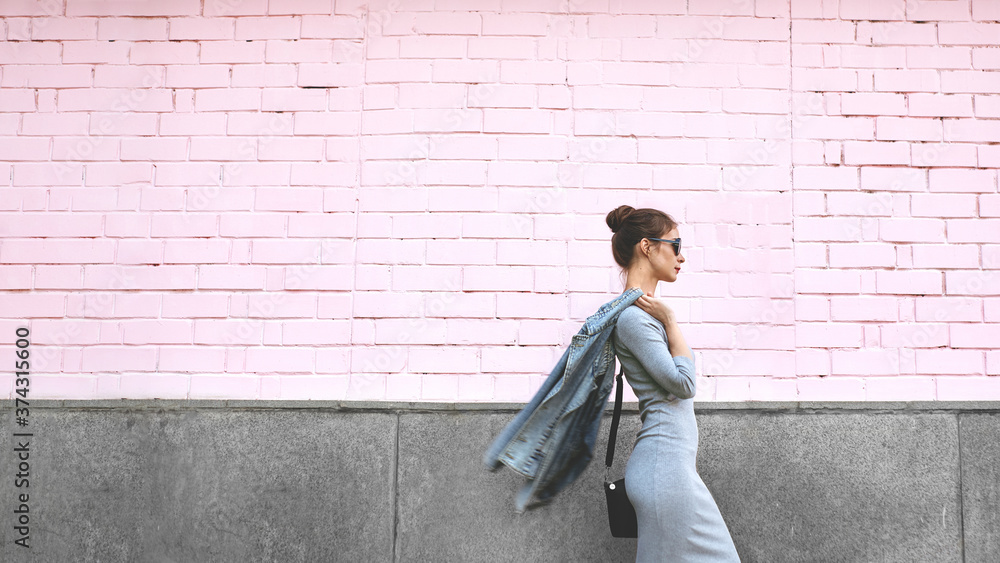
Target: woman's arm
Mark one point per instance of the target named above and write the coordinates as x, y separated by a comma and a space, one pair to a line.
643, 337
663, 313
678, 346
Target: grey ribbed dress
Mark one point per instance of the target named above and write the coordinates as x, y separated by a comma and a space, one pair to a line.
677, 515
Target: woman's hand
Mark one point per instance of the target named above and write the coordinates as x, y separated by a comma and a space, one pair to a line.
657, 308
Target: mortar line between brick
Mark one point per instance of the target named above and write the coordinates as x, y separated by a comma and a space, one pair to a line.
357, 189
791, 175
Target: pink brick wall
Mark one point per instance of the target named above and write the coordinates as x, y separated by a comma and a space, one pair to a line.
405, 199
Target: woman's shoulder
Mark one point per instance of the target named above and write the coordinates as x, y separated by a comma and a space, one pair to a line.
634, 316
628, 314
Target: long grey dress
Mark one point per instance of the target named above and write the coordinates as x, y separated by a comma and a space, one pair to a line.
677, 515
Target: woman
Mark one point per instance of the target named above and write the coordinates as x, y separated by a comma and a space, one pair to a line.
677, 516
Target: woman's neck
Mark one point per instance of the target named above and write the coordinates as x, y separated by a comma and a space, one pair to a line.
641, 278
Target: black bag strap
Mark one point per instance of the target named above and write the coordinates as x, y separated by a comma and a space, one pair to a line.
609, 459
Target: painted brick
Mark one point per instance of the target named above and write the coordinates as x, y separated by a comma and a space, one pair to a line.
47, 76
917, 80
892, 33
970, 81
873, 104
180, 124
180, 52
515, 252
128, 76
913, 282
130, 29
437, 359
965, 388
232, 51
621, 26
827, 228
951, 309
943, 154
30, 53
513, 24
500, 48
115, 99
949, 361
287, 359
911, 230
975, 335
337, 75
331, 123
301, 51
987, 106
914, 335
119, 358
973, 230
865, 362
200, 76
850, 308
139, 277
531, 305
192, 359
940, 105
900, 388
517, 359
749, 363
991, 256
155, 148
810, 308
889, 152
970, 130
496, 278
201, 28
532, 72
61, 28
157, 331
984, 58
943, 205
993, 362
463, 173
522, 173
273, 27
832, 335
828, 281
949, 256
99, 8
812, 361
515, 387
907, 129
973, 282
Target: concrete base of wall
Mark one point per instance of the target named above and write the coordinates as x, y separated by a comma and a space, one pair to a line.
330, 481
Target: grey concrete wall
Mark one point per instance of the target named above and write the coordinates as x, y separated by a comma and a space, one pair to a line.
165, 481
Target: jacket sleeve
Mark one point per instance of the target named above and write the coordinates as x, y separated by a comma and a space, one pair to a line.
645, 340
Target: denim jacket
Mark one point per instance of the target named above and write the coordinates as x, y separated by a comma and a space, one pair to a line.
551, 440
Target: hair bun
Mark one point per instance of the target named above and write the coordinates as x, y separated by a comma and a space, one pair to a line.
618, 216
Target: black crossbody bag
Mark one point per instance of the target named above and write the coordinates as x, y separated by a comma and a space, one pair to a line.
621, 513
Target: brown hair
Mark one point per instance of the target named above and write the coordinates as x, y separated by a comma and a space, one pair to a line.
631, 225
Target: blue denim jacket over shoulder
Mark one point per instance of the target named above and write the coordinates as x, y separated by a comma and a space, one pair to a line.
551, 440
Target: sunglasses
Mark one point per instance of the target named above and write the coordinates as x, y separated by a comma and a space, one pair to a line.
675, 241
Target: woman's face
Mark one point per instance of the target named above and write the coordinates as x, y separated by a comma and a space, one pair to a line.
665, 264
